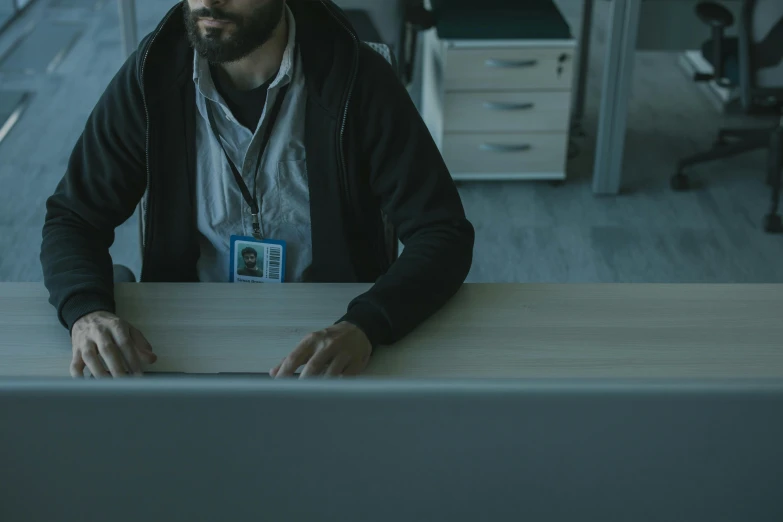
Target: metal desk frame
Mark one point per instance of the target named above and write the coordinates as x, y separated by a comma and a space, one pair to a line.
615, 94
615, 91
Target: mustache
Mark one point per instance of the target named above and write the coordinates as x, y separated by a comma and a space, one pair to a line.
215, 13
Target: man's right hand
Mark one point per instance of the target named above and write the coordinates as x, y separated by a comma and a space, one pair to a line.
108, 346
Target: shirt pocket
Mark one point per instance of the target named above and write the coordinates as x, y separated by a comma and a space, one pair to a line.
294, 192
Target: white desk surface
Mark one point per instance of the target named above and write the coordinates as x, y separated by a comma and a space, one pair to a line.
487, 330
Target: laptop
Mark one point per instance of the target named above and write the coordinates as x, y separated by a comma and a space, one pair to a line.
356, 450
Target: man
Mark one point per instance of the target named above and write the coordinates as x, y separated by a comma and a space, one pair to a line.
280, 125
250, 258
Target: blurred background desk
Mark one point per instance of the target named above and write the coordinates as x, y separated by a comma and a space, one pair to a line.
521, 140
501, 330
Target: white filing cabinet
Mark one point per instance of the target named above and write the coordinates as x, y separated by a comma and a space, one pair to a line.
498, 109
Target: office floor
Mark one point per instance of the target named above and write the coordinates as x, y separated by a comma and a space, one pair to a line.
525, 231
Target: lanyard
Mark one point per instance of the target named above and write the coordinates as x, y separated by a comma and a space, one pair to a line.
250, 199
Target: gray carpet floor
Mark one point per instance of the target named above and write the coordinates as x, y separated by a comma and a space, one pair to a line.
525, 231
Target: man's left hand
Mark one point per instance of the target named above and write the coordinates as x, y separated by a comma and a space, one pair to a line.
342, 349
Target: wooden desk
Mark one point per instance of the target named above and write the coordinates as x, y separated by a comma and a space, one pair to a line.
502, 330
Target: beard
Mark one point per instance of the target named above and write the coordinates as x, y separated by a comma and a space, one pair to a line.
229, 44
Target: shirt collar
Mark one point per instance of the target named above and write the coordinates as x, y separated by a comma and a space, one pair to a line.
203, 78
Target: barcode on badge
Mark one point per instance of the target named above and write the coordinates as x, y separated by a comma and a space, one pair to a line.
274, 255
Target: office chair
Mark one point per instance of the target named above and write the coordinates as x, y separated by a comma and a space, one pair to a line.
753, 61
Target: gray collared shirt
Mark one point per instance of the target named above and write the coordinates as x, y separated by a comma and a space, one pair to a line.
281, 183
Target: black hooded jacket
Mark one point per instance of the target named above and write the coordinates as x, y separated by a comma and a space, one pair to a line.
369, 155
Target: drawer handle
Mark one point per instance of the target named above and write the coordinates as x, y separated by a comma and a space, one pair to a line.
500, 106
501, 147
510, 64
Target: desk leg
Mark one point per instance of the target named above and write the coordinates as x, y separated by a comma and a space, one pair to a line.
127, 10
618, 72
583, 64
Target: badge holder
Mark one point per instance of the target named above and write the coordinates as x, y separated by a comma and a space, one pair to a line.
257, 260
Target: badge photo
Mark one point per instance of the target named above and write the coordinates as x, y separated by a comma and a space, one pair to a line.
256, 261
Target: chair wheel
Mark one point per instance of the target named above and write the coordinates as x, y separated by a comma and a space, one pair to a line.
773, 224
680, 183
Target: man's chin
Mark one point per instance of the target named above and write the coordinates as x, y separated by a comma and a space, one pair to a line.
216, 53
213, 56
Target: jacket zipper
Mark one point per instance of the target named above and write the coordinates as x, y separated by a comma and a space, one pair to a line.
341, 136
145, 216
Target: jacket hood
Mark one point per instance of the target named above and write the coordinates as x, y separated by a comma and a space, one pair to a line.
327, 44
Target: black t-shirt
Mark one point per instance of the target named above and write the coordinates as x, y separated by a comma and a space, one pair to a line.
246, 106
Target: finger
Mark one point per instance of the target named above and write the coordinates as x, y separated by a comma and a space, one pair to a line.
77, 366
338, 364
93, 361
297, 358
124, 343
320, 360
113, 359
274, 370
143, 347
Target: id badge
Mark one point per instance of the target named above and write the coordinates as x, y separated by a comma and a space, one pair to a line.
256, 260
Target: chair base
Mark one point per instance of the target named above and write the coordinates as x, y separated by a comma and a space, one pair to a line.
732, 142
747, 140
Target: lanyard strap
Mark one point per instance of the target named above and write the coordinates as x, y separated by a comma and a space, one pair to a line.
250, 199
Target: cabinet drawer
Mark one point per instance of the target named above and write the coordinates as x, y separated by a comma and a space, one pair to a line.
506, 111
511, 68
508, 154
